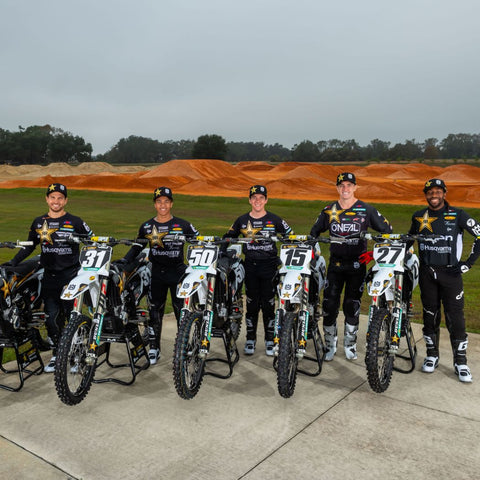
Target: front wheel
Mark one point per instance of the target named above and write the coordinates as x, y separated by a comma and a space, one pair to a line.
379, 360
73, 377
188, 366
287, 359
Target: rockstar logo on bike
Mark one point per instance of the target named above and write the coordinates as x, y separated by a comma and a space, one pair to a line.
204, 343
46, 233
334, 214
249, 232
425, 222
5, 289
155, 238
93, 346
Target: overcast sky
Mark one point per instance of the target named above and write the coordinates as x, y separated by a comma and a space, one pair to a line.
248, 70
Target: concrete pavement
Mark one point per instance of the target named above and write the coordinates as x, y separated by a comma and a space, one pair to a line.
334, 427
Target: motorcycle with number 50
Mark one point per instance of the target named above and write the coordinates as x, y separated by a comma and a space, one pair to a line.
211, 290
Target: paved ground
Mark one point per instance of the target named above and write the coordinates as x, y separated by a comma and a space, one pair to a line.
334, 427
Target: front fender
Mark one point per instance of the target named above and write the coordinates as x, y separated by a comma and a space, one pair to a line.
290, 286
193, 282
81, 283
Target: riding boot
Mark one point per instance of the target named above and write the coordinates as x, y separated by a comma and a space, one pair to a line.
460, 360
154, 334
431, 360
331, 338
350, 341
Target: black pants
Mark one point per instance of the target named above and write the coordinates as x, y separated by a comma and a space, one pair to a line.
442, 285
56, 310
260, 285
348, 274
163, 280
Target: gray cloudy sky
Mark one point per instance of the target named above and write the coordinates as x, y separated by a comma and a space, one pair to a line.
249, 70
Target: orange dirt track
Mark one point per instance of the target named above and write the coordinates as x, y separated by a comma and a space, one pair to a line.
378, 183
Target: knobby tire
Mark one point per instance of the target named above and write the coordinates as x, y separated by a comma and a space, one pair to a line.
287, 359
379, 360
188, 367
73, 377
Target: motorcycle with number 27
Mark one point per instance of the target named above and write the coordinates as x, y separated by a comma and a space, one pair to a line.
390, 283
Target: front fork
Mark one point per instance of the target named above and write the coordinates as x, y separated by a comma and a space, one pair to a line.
303, 319
396, 312
97, 321
207, 320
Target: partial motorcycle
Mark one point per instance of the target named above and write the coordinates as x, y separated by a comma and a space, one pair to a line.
22, 322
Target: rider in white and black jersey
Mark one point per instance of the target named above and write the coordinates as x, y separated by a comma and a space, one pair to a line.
441, 270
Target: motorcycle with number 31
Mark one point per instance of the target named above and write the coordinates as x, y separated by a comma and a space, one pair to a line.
106, 310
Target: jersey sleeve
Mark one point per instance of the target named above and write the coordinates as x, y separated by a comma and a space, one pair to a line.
319, 225
378, 222
473, 228
26, 251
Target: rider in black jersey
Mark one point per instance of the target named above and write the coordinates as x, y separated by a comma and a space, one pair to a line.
261, 263
345, 217
441, 272
167, 260
59, 259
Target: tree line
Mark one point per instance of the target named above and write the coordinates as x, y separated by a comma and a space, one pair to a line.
46, 144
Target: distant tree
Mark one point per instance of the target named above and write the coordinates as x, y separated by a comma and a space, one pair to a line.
305, 151
377, 149
430, 150
65, 147
460, 145
410, 150
210, 146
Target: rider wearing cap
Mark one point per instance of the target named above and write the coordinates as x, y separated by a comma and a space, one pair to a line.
441, 270
261, 264
59, 259
167, 260
345, 217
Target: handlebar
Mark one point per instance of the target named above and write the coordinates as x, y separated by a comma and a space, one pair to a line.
17, 244
111, 241
405, 237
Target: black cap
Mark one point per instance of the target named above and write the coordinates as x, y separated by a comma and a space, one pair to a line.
57, 187
346, 177
434, 182
258, 189
162, 192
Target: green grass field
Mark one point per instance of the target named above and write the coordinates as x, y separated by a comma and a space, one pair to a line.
120, 215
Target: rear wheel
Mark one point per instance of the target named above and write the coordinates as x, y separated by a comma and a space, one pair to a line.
378, 359
73, 377
287, 360
188, 367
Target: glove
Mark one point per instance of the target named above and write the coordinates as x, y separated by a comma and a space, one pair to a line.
121, 262
464, 267
366, 257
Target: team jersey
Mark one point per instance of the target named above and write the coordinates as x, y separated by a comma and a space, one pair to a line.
48, 232
247, 226
451, 223
349, 222
163, 253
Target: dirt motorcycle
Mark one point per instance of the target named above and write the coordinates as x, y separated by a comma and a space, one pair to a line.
301, 279
390, 283
107, 309
22, 322
211, 290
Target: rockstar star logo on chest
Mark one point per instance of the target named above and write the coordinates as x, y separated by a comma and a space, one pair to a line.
426, 222
334, 214
156, 237
45, 233
249, 231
